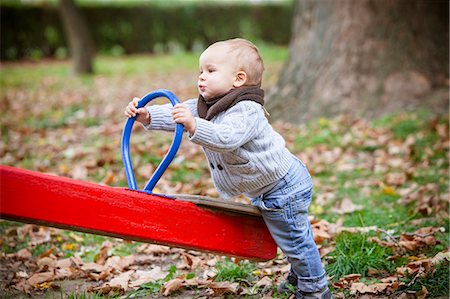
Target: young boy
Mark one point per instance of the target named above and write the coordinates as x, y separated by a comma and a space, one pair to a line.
246, 156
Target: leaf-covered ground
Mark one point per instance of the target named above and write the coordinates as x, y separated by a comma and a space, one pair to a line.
380, 211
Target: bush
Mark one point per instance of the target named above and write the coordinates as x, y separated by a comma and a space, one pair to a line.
26, 31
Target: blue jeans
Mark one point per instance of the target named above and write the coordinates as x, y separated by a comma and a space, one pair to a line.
285, 212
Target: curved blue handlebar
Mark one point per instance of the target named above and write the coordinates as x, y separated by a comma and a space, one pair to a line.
179, 129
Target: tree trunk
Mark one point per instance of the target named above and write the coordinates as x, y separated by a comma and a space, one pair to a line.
364, 58
80, 41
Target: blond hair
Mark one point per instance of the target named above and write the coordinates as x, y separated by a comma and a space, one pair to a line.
247, 58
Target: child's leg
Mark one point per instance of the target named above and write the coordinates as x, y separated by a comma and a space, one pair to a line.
285, 211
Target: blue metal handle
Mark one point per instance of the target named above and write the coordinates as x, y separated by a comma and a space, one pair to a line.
168, 157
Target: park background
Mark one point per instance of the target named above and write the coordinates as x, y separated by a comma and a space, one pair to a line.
359, 90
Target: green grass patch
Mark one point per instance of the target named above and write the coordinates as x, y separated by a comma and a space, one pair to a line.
322, 131
227, 270
85, 295
354, 254
186, 175
436, 282
150, 288
55, 74
145, 64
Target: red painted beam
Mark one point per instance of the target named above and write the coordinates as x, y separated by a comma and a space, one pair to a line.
34, 197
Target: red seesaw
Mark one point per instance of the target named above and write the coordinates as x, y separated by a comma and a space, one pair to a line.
191, 222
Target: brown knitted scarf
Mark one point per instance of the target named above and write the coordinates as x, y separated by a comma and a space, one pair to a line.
207, 109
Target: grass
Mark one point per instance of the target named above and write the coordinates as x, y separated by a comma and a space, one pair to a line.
436, 282
12, 76
227, 270
354, 254
90, 296
150, 288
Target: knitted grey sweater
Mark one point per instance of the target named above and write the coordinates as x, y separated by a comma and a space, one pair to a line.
244, 153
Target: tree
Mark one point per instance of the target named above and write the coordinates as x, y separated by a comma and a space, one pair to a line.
363, 58
80, 41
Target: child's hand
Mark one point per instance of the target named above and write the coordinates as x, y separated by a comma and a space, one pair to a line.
182, 115
142, 113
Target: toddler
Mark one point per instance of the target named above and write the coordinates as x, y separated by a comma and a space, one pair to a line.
246, 156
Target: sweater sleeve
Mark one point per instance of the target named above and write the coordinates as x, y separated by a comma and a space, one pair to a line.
240, 124
161, 115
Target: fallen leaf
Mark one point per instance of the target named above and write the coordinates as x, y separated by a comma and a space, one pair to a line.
171, 286
153, 249
225, 287
94, 267
142, 277
101, 257
46, 261
347, 206
121, 281
189, 262
395, 179
38, 278
23, 254
119, 262
264, 282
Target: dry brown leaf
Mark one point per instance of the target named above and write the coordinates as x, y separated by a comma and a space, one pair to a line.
47, 253
347, 206
64, 263
376, 288
346, 281
94, 267
79, 172
38, 278
320, 231
109, 179
22, 286
189, 262
171, 286
395, 179
46, 261
23, 254
105, 290
121, 281
101, 257
441, 256
141, 277
325, 250
119, 262
153, 249
264, 282
221, 288
100, 276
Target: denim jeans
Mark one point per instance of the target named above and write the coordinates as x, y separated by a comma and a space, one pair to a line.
285, 212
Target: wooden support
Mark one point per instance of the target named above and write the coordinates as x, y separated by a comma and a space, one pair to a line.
34, 197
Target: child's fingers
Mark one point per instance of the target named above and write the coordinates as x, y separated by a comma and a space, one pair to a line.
178, 108
135, 101
131, 109
141, 111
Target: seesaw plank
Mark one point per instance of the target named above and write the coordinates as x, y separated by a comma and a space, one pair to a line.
220, 204
34, 197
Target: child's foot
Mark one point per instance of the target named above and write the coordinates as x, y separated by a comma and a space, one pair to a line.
290, 284
324, 294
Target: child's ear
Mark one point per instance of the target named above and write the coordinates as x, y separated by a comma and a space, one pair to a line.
240, 79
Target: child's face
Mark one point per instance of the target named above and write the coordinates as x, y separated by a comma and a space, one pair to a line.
217, 72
